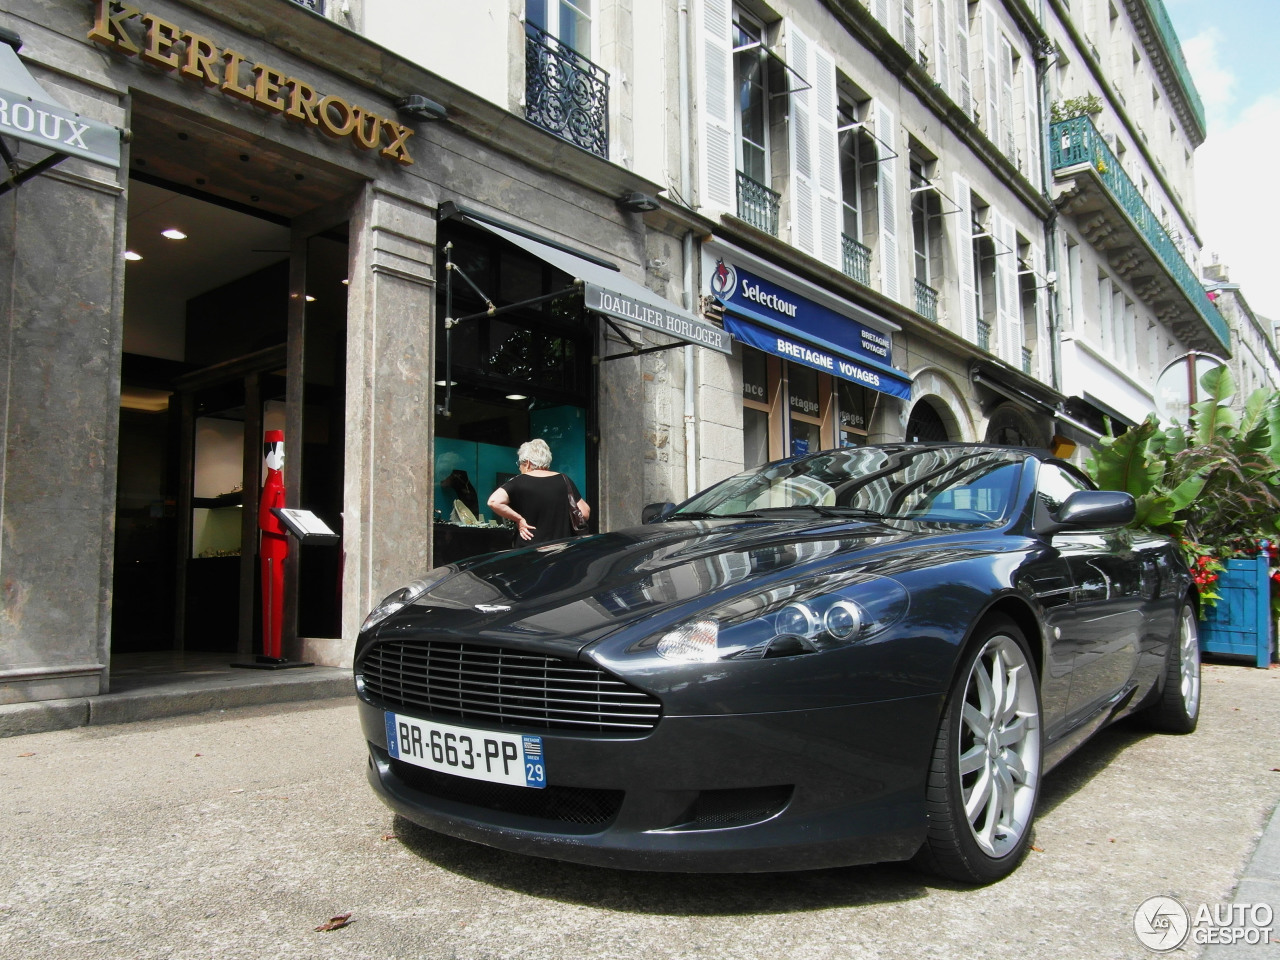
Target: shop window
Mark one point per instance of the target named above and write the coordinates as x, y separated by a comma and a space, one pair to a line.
821, 411
852, 413
759, 388
806, 407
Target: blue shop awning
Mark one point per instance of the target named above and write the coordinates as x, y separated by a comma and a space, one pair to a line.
760, 332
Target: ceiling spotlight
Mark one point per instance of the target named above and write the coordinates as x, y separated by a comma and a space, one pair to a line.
132, 255
637, 202
310, 298
516, 396
451, 383
346, 281
173, 233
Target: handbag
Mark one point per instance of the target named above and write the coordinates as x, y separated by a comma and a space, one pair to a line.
576, 519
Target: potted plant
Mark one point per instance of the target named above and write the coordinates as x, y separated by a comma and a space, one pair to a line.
1214, 485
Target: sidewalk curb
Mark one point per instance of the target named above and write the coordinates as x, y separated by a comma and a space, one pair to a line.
171, 700
1259, 883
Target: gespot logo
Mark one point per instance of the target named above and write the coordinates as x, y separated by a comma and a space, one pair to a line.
1163, 924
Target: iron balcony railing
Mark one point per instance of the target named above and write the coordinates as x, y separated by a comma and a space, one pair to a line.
757, 204
984, 335
316, 5
565, 93
857, 259
1169, 37
1077, 141
926, 301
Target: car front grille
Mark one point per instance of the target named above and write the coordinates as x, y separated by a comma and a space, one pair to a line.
507, 687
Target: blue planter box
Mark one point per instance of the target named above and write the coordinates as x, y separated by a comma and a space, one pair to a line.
1241, 623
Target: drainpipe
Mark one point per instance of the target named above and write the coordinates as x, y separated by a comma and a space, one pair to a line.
690, 426
1043, 61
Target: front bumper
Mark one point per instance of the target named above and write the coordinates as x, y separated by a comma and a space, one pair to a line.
742, 793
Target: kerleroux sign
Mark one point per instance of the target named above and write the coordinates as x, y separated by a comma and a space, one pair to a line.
199, 58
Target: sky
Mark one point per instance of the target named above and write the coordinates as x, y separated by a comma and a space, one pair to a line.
1233, 50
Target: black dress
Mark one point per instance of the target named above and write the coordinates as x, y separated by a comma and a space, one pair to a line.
544, 504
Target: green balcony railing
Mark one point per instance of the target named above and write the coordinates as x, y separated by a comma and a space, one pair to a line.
1076, 141
856, 259
757, 204
1169, 37
926, 301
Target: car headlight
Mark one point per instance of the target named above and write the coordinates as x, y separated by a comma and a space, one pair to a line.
394, 602
806, 617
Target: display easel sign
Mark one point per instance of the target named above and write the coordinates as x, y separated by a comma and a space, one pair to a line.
305, 525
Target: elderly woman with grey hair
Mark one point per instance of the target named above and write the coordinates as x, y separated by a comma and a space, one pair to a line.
537, 501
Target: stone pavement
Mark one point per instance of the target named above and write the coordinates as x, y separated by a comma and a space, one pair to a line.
235, 833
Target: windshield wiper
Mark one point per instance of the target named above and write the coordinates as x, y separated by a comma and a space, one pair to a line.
696, 515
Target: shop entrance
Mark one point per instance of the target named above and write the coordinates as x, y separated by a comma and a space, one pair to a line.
217, 351
502, 380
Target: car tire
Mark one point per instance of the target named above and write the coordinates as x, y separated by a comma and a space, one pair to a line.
984, 777
1178, 709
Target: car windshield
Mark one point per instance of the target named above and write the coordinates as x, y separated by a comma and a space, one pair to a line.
972, 485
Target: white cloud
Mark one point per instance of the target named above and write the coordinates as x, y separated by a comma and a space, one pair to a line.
1237, 204
1213, 78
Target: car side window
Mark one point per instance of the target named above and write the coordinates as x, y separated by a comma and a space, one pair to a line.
1053, 486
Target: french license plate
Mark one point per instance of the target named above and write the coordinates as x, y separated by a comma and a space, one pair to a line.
514, 759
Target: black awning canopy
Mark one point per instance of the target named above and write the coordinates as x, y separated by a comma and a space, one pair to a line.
29, 115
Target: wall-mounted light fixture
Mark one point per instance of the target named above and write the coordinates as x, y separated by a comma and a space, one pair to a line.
636, 202
421, 108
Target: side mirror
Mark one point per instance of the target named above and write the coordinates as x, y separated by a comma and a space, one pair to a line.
656, 511
1091, 509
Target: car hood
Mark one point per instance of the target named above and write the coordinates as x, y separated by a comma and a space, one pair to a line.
560, 597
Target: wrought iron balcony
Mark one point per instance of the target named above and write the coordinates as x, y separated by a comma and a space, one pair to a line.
926, 301
857, 259
316, 5
984, 335
1134, 239
565, 93
757, 204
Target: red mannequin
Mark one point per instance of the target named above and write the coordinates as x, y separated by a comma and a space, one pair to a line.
275, 545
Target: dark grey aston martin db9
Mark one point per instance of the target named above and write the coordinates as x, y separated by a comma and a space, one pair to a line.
859, 655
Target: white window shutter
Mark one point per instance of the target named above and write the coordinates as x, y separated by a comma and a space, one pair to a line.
887, 194
909, 42
964, 95
963, 220
1030, 101
880, 10
941, 46
991, 71
715, 81
827, 156
803, 190
1008, 303
1008, 142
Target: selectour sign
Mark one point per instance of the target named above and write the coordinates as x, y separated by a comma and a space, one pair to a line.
734, 285
126, 29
